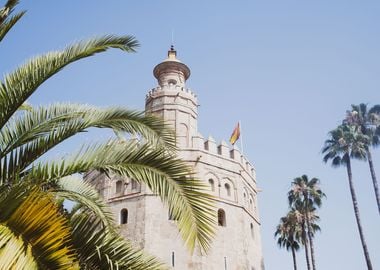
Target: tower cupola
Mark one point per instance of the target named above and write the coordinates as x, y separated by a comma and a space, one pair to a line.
171, 72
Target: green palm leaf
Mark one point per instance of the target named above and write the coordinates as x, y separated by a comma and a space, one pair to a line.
20, 84
164, 174
9, 23
74, 189
6, 20
29, 135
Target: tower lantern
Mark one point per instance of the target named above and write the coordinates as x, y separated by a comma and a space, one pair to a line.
171, 72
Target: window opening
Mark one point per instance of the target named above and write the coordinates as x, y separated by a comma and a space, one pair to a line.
212, 184
119, 186
124, 216
221, 218
228, 189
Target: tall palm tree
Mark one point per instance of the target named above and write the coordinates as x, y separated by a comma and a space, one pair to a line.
305, 195
288, 234
368, 123
301, 220
27, 135
344, 143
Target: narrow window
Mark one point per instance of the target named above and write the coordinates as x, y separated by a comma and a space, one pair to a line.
225, 263
133, 184
252, 231
250, 204
119, 186
228, 189
212, 184
221, 218
124, 216
173, 259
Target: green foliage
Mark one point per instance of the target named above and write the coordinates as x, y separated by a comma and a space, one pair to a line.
366, 121
343, 143
35, 231
288, 231
33, 234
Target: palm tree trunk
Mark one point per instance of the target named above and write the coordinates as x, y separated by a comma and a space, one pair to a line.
294, 259
374, 180
306, 243
356, 210
311, 240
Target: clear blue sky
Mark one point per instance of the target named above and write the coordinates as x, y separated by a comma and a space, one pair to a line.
287, 69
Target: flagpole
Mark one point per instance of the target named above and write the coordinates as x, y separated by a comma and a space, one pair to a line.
241, 139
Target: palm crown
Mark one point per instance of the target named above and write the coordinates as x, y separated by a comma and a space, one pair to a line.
366, 121
345, 142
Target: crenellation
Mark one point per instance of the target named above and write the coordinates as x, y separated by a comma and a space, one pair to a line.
228, 174
235, 153
223, 149
176, 89
210, 145
198, 141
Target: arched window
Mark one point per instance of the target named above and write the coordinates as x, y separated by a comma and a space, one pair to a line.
228, 189
251, 202
212, 184
183, 135
119, 186
124, 216
221, 218
252, 231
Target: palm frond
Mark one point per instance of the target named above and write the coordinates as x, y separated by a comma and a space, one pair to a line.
7, 9
31, 134
17, 86
9, 23
164, 174
74, 189
33, 233
99, 249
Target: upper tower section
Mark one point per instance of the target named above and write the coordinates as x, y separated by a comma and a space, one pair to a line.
171, 72
172, 101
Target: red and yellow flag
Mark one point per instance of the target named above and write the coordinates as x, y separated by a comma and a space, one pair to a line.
235, 134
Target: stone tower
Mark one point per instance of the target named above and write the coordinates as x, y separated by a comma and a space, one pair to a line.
172, 101
229, 175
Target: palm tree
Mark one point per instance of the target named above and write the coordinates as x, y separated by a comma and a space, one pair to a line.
85, 239
301, 220
305, 195
344, 143
288, 234
368, 123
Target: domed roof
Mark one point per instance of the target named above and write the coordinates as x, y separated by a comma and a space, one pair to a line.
171, 64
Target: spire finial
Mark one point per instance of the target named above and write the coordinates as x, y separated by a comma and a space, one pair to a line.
172, 46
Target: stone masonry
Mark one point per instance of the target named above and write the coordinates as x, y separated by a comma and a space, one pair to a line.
230, 176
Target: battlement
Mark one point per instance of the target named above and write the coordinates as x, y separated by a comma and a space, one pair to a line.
224, 150
174, 88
